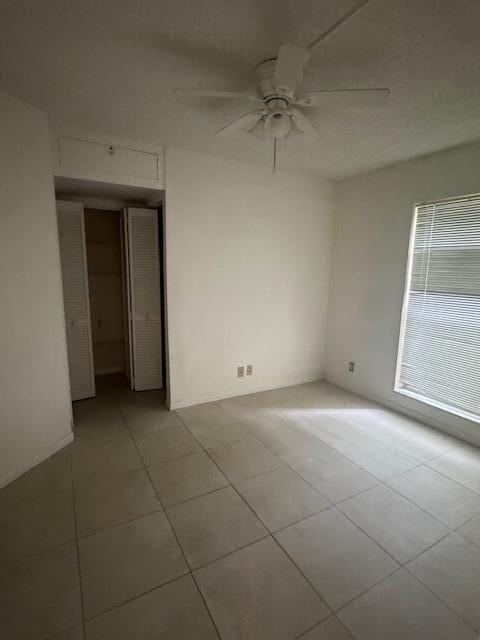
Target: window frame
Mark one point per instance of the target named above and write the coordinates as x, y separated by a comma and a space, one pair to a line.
403, 318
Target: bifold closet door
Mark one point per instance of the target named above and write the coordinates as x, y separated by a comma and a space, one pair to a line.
143, 298
71, 230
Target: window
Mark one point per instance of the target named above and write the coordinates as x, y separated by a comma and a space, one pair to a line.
439, 351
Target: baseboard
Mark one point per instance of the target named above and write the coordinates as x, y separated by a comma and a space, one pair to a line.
236, 393
46, 453
448, 429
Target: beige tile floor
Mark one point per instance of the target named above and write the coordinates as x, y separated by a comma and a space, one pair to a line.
304, 512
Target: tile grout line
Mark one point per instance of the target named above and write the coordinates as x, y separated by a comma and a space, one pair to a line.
431, 515
398, 562
136, 597
231, 485
123, 522
174, 534
386, 484
330, 617
77, 545
464, 486
388, 445
467, 522
380, 482
383, 483
399, 565
405, 567
437, 597
270, 535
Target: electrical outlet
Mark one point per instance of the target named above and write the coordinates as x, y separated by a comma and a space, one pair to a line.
240, 372
351, 367
249, 369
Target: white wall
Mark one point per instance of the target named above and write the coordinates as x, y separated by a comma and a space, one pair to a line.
372, 227
35, 410
247, 271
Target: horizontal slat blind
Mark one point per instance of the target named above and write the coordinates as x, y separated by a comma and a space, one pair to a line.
439, 354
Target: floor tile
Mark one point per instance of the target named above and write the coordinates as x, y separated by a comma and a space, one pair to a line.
396, 524
277, 399
448, 501
40, 595
451, 569
240, 406
461, 465
126, 561
144, 422
266, 421
325, 395
97, 432
96, 408
52, 475
328, 427
145, 402
90, 415
338, 559
214, 525
281, 497
106, 459
331, 629
211, 424
287, 441
379, 461
34, 525
405, 434
185, 478
167, 445
104, 502
471, 531
335, 476
244, 458
400, 608
311, 392
173, 612
258, 593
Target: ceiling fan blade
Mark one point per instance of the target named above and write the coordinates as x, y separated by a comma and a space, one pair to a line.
326, 34
207, 93
247, 121
304, 125
258, 130
289, 67
345, 98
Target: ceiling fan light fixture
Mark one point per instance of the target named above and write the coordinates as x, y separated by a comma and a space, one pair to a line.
277, 125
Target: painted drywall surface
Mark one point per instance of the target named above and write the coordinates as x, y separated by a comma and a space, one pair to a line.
35, 409
373, 218
102, 233
247, 271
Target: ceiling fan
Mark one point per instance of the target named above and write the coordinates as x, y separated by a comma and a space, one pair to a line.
280, 98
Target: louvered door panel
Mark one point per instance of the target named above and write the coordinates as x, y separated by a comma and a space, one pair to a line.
75, 295
144, 274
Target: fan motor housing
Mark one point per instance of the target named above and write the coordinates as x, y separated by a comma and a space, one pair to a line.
265, 84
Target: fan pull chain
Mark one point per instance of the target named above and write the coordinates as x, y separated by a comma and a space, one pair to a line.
274, 155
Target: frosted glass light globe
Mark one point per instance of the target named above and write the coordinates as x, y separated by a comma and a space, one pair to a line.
277, 125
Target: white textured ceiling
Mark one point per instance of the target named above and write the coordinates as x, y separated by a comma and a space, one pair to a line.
109, 67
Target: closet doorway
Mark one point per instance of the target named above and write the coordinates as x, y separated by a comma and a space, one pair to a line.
112, 271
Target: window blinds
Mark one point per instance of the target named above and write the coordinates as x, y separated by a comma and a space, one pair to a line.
439, 352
